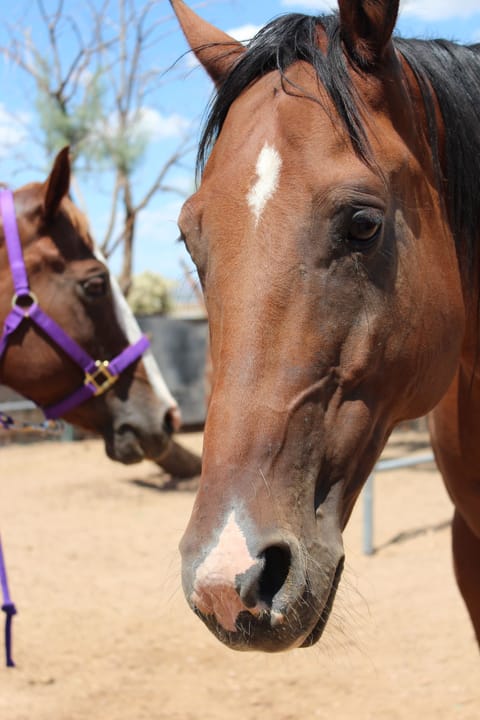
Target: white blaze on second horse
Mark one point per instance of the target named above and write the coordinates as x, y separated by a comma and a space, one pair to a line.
268, 168
132, 330
230, 557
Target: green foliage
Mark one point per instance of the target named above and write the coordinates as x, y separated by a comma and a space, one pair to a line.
85, 124
73, 125
150, 293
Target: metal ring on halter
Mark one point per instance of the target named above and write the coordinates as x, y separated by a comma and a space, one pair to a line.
29, 295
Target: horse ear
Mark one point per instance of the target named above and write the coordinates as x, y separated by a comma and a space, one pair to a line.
57, 184
366, 27
215, 50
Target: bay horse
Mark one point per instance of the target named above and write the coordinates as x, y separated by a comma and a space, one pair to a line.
64, 345
336, 235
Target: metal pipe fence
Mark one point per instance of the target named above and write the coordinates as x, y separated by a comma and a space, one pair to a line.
44, 429
17, 406
368, 492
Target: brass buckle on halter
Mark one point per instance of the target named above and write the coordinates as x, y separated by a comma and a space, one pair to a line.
101, 378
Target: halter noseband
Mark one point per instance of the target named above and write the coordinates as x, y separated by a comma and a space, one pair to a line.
100, 375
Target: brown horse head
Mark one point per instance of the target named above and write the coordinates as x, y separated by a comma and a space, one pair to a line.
73, 288
325, 246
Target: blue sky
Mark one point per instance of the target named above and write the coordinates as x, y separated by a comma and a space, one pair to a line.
176, 108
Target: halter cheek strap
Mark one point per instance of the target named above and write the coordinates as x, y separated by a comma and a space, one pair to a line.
100, 375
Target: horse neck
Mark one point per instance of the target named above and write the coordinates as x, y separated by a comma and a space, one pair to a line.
442, 102
470, 358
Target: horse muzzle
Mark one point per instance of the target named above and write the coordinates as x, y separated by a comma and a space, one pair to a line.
275, 597
131, 442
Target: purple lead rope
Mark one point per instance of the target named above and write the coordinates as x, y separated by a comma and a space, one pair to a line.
8, 608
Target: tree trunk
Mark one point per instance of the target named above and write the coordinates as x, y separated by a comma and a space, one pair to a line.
130, 216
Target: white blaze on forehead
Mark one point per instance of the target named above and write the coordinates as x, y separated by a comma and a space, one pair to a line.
214, 590
268, 173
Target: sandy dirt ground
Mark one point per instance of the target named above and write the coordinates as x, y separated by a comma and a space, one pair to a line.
104, 633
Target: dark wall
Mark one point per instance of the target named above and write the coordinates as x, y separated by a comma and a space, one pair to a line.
180, 349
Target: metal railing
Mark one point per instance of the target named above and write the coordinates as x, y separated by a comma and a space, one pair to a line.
368, 492
17, 406
55, 429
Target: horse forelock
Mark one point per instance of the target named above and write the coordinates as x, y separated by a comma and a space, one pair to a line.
277, 46
447, 76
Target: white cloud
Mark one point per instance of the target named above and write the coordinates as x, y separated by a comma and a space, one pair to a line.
424, 9
244, 33
440, 9
12, 130
150, 123
159, 127
317, 5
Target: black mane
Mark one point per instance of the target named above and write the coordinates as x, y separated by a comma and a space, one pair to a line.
452, 71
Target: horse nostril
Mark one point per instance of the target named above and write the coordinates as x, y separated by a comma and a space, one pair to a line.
168, 424
265, 579
277, 560
172, 421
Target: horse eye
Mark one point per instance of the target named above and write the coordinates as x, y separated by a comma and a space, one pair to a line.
365, 226
95, 286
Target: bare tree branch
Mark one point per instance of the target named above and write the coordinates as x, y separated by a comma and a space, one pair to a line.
113, 216
157, 184
94, 84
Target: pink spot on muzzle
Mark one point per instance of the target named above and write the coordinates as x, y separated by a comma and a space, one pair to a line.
214, 588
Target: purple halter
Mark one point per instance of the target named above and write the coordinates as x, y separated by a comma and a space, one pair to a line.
100, 375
